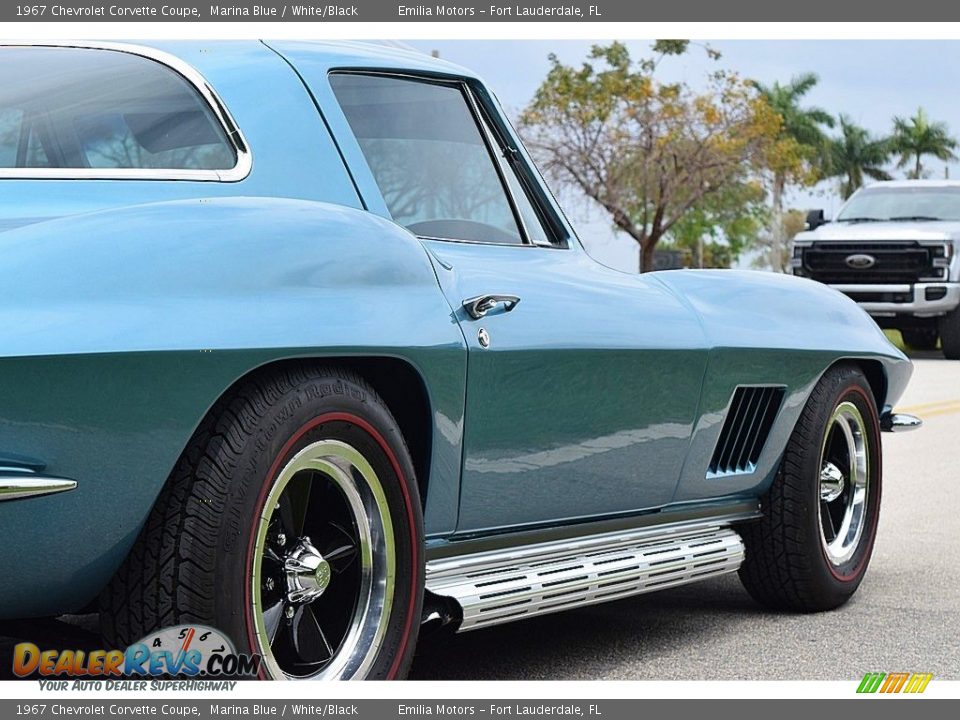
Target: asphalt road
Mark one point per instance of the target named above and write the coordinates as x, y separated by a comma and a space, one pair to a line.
906, 616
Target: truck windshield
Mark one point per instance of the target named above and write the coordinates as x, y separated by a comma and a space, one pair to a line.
930, 202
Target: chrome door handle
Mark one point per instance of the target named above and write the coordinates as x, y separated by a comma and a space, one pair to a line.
479, 306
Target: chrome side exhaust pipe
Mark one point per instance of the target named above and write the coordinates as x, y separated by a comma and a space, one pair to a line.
899, 422
506, 585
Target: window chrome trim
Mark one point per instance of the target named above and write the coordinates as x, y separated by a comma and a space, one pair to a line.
500, 148
495, 150
238, 143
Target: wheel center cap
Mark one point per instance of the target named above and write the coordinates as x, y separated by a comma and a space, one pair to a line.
308, 574
832, 482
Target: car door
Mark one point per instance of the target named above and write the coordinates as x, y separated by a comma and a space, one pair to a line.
583, 382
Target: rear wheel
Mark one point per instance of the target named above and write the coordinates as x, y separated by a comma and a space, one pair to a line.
293, 525
950, 334
811, 549
921, 338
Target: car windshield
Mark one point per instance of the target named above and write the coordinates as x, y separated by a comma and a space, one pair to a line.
903, 204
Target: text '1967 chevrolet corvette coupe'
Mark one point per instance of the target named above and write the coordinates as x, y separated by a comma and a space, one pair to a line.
295, 343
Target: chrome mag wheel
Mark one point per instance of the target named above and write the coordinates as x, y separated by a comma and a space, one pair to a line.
844, 483
323, 566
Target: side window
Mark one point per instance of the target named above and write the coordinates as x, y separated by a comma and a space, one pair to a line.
429, 157
87, 108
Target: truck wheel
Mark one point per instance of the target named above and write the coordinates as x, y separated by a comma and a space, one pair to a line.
811, 549
293, 525
921, 338
950, 334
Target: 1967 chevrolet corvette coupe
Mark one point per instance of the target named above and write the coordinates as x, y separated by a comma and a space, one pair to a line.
296, 343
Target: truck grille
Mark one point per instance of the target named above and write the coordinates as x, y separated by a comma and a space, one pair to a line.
896, 262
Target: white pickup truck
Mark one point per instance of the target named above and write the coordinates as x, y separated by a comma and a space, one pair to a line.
893, 247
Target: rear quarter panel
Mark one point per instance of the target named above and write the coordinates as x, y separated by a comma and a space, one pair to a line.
119, 329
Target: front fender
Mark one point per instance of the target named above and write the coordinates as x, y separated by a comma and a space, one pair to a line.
767, 328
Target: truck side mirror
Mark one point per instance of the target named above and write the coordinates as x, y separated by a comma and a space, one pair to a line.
815, 219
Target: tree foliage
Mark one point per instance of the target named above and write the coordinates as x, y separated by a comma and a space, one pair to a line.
649, 152
805, 125
716, 231
855, 155
801, 148
917, 136
776, 255
706, 171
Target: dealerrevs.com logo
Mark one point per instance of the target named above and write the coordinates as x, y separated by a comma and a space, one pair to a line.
184, 651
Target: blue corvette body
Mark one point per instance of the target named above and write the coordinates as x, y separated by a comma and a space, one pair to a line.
131, 305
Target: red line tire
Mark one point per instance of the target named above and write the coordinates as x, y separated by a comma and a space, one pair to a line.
210, 550
809, 553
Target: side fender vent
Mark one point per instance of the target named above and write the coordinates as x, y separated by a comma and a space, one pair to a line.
745, 430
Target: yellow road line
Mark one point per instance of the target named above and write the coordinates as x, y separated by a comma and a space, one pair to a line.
941, 411
919, 407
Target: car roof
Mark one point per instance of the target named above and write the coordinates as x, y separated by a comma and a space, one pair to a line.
366, 55
381, 55
914, 183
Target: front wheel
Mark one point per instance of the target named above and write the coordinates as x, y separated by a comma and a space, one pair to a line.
810, 550
293, 525
950, 334
924, 338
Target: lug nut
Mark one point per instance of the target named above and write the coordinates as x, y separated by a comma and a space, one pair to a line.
289, 612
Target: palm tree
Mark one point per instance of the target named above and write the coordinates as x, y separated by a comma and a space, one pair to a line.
856, 154
918, 136
805, 126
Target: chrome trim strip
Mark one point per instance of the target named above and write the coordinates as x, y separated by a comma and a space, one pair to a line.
502, 539
919, 305
20, 485
899, 422
867, 287
238, 172
504, 585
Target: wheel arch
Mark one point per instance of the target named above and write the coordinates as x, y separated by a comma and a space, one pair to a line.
875, 373
396, 380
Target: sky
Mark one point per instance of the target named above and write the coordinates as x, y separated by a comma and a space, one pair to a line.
870, 81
